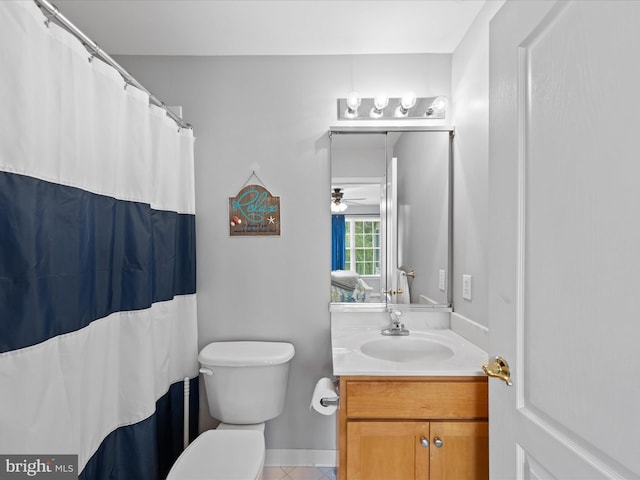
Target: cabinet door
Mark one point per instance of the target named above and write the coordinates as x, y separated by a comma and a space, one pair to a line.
387, 450
463, 452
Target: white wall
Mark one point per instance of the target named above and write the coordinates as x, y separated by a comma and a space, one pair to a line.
470, 87
271, 115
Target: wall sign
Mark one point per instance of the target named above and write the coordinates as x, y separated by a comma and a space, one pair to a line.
254, 212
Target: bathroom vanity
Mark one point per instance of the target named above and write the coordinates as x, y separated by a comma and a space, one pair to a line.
413, 427
410, 407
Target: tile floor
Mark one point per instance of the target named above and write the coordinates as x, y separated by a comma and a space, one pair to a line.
298, 473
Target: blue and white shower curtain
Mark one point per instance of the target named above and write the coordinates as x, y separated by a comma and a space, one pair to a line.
97, 259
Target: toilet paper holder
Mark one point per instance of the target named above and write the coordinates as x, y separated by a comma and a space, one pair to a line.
329, 401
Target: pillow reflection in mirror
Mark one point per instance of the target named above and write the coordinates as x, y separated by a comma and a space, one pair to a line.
347, 286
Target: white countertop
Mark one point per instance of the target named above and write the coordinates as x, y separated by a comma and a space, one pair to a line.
460, 357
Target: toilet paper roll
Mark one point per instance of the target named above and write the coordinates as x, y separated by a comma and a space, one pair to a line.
324, 389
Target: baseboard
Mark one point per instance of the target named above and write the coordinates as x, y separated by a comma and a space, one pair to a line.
472, 331
300, 458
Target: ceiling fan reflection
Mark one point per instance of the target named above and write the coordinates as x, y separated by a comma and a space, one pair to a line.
339, 202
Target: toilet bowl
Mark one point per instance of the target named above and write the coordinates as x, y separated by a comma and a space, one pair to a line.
246, 384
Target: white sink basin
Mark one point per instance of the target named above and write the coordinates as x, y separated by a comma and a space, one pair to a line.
406, 349
358, 348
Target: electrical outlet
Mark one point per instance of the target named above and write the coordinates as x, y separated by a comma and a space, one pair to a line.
442, 280
466, 287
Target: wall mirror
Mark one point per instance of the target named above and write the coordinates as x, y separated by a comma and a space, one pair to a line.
391, 216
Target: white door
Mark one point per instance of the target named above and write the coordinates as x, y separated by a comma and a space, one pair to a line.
565, 239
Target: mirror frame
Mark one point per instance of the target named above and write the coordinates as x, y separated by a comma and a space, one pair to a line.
384, 306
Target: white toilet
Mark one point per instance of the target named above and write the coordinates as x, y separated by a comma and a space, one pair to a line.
246, 385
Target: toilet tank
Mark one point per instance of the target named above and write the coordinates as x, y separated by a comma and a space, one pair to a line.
248, 380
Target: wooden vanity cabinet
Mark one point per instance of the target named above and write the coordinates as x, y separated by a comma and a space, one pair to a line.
403, 428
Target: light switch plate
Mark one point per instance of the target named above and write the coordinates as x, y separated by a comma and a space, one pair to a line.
466, 287
442, 278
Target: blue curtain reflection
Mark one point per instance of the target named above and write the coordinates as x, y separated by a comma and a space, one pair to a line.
337, 242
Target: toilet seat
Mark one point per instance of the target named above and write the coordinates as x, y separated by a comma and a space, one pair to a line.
222, 455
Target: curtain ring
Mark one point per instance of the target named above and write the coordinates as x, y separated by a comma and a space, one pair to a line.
51, 16
91, 57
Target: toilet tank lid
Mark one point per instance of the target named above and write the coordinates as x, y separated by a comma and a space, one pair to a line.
246, 353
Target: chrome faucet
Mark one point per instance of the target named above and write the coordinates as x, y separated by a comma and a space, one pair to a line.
396, 328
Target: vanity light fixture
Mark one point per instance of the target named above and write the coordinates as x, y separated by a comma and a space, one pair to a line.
382, 107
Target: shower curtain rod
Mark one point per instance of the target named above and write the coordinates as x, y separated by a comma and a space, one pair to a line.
54, 13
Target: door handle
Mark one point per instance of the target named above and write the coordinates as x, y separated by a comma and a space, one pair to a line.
499, 368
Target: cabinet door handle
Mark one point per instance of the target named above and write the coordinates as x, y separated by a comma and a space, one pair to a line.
424, 442
437, 442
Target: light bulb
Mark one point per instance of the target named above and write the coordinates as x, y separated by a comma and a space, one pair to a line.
437, 106
353, 100
380, 101
338, 207
379, 104
407, 102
